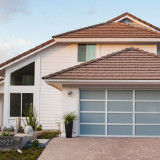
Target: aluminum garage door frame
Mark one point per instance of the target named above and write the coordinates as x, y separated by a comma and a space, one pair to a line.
104, 126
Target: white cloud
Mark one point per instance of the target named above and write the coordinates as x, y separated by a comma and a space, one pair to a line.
8, 8
91, 11
23, 42
12, 48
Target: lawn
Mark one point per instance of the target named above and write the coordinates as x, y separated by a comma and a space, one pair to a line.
27, 154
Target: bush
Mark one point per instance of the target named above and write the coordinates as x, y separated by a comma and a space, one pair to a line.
5, 133
39, 128
35, 143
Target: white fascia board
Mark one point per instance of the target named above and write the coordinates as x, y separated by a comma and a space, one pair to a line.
30, 54
137, 22
101, 40
60, 81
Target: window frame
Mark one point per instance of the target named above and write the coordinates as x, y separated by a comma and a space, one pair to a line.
86, 51
10, 117
18, 68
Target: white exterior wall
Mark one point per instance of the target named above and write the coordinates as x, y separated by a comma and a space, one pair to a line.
70, 103
54, 59
102, 50
48, 100
20, 89
1, 109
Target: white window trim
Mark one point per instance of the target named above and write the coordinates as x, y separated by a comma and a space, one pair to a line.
86, 51
21, 103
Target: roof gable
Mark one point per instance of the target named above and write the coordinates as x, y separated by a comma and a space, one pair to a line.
140, 21
127, 64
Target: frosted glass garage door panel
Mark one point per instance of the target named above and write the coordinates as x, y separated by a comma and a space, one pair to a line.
92, 106
92, 129
120, 106
120, 95
147, 130
92, 94
119, 118
150, 118
119, 130
92, 118
147, 106
147, 95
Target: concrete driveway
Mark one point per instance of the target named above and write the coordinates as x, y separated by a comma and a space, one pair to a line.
102, 149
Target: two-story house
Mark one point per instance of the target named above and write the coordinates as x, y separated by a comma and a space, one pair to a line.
108, 73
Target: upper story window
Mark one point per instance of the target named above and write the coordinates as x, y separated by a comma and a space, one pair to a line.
86, 52
23, 76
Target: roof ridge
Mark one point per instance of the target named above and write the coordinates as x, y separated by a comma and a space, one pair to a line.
145, 29
134, 17
98, 59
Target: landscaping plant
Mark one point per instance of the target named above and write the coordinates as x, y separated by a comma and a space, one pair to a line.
68, 120
35, 143
69, 117
31, 118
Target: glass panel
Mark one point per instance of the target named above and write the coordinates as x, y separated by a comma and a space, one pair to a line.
119, 130
81, 53
15, 105
120, 95
92, 106
119, 118
92, 129
92, 94
27, 102
120, 106
91, 52
23, 76
92, 117
147, 95
147, 130
147, 106
147, 118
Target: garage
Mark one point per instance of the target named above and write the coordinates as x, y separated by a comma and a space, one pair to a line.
119, 113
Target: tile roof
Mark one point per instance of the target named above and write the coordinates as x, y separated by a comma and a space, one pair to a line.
134, 17
26, 53
127, 64
111, 30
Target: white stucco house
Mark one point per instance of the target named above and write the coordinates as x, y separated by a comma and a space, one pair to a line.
108, 73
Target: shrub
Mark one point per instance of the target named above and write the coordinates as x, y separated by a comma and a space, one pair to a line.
39, 128
35, 143
5, 133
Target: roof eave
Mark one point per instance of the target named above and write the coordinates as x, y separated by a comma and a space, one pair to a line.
103, 40
71, 81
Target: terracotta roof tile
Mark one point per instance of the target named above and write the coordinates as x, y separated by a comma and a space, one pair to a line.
111, 30
127, 64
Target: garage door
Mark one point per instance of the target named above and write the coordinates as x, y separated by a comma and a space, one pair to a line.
120, 112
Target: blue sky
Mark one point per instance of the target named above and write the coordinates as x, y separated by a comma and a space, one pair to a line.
27, 23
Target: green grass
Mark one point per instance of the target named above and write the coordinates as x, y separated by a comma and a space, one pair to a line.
28, 154
48, 135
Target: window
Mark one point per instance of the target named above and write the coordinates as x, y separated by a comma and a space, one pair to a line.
20, 103
23, 76
86, 52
